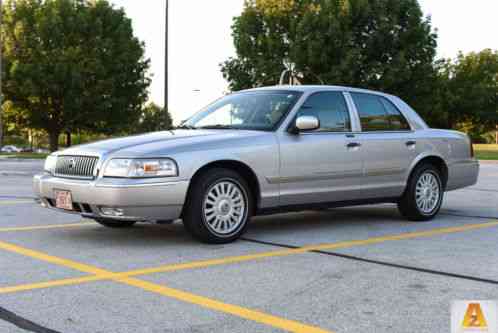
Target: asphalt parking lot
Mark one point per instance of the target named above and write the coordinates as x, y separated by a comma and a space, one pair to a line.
362, 269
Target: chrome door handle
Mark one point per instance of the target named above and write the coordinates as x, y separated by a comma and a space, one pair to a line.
353, 145
411, 143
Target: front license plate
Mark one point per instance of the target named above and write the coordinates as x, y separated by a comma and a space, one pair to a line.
63, 200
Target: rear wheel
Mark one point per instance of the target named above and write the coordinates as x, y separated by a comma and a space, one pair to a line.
115, 224
218, 207
424, 194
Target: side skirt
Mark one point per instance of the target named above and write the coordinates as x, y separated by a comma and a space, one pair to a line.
324, 205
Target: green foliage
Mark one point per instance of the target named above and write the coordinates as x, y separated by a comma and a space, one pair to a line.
71, 65
384, 45
152, 119
470, 88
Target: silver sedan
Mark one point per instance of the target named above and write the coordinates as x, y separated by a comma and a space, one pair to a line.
262, 151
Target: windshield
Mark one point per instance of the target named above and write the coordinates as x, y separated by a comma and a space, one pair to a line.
263, 110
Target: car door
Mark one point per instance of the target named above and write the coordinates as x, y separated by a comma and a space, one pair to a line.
325, 164
388, 145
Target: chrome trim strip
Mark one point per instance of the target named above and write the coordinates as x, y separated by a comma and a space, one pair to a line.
314, 177
385, 172
139, 185
334, 175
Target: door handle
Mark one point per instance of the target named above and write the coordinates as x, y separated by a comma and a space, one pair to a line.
353, 145
411, 143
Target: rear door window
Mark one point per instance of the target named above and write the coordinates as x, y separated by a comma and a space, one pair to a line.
396, 119
378, 114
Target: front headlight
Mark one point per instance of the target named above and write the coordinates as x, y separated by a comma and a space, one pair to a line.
141, 168
50, 163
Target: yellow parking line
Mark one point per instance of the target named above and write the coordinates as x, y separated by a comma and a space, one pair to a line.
257, 316
410, 235
44, 227
52, 259
50, 284
244, 258
15, 202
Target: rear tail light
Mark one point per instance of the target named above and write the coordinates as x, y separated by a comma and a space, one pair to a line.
471, 148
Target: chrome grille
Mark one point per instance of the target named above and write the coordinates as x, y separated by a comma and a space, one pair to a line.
78, 167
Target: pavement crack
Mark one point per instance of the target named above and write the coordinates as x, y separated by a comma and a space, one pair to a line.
449, 213
379, 262
23, 323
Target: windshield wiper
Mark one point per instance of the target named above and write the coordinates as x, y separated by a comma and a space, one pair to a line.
218, 126
184, 126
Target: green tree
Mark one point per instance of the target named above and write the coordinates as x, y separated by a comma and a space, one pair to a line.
152, 119
470, 92
386, 45
72, 65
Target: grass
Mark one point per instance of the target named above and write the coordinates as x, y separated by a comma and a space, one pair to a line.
486, 152
24, 155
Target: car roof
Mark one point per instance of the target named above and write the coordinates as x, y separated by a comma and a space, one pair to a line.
312, 88
408, 112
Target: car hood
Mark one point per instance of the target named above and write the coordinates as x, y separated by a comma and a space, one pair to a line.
157, 143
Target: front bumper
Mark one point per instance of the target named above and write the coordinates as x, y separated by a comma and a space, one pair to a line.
139, 200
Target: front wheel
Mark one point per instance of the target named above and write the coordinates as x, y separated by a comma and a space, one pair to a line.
218, 207
423, 196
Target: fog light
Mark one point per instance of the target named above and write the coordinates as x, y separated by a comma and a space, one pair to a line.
111, 211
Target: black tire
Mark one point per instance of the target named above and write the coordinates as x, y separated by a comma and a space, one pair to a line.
407, 204
195, 219
115, 224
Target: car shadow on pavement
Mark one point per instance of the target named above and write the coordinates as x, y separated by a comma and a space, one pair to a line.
330, 218
325, 221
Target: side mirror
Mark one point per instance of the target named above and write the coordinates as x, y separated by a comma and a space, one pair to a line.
307, 123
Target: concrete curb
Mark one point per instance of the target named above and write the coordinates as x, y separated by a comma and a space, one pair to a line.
488, 162
14, 159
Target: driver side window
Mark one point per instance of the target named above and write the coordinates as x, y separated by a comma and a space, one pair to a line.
331, 110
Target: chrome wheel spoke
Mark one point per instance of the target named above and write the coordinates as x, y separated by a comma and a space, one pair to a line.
427, 193
224, 207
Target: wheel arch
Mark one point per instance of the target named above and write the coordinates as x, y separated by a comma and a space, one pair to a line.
239, 167
435, 160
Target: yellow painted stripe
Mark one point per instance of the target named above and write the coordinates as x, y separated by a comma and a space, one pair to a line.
257, 316
410, 235
260, 317
281, 253
50, 284
244, 258
52, 259
212, 262
15, 202
44, 227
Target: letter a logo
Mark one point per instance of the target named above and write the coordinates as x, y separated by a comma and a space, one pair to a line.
474, 317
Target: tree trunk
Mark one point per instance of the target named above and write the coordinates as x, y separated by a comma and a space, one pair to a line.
54, 140
30, 139
1, 126
1, 99
68, 139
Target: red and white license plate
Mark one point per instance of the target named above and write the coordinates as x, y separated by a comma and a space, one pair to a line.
63, 200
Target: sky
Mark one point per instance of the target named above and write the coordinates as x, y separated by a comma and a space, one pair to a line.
200, 39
